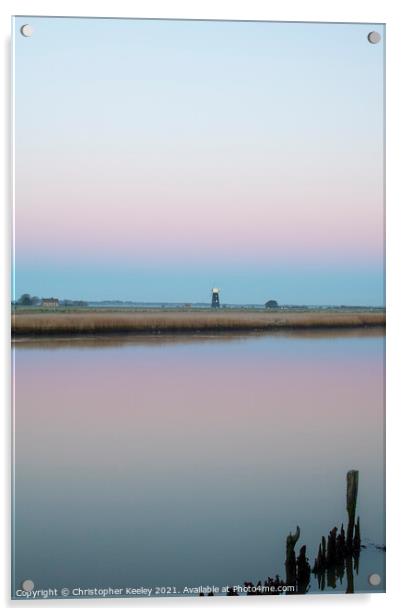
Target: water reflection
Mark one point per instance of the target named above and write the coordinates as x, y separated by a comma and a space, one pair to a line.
184, 461
117, 340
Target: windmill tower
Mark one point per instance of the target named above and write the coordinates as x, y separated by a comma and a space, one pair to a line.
215, 303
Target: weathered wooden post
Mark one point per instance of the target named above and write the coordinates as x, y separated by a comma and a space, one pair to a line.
324, 551
331, 549
352, 483
340, 546
356, 539
350, 587
303, 571
290, 563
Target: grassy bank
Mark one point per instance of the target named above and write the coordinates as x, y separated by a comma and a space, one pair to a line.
171, 322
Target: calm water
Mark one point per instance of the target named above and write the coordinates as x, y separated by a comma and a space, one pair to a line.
187, 461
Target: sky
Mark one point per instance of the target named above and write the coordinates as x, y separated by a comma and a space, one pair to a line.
155, 159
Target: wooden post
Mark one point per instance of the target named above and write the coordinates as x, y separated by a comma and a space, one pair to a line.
356, 539
303, 571
290, 563
340, 546
331, 549
352, 483
350, 588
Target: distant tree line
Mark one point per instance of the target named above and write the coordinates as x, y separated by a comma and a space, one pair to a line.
28, 300
32, 300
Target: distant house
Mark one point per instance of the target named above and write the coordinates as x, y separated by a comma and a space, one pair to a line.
50, 302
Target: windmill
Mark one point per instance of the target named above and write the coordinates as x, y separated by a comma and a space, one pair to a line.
215, 303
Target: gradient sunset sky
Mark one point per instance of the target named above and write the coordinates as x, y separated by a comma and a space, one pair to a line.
155, 159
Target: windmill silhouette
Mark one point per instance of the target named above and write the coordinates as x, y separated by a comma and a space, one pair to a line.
215, 303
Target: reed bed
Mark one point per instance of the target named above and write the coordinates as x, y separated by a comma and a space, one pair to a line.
159, 321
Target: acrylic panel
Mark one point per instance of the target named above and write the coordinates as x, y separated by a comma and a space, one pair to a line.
198, 320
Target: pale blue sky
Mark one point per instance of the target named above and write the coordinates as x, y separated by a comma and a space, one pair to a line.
157, 158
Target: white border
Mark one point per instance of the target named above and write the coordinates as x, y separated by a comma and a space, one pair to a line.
380, 11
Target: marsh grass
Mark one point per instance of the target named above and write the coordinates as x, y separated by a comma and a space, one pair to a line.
172, 322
